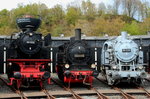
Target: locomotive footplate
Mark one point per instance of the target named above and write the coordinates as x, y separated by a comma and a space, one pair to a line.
125, 76
29, 71
85, 77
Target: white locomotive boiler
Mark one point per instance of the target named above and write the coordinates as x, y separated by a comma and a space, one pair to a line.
122, 61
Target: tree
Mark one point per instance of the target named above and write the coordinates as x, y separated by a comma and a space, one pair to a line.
111, 27
72, 15
110, 9
116, 6
89, 10
57, 14
93, 20
4, 18
131, 7
132, 28
144, 26
86, 27
99, 26
101, 9
145, 9
114, 26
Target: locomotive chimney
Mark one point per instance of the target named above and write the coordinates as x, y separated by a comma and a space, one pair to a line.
124, 35
78, 34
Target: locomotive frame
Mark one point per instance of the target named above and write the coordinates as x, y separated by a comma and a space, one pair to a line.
30, 70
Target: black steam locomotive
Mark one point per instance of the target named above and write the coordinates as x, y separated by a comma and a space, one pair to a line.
28, 54
148, 59
74, 61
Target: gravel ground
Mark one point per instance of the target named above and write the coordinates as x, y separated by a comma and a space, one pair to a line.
100, 85
53, 86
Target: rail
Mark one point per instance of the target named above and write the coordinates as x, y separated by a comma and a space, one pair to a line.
20, 93
125, 95
49, 96
75, 95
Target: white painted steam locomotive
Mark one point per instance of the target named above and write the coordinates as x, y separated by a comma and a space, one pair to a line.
122, 61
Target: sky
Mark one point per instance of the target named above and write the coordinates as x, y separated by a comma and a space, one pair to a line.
11, 4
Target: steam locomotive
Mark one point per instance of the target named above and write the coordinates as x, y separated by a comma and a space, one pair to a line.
148, 59
122, 61
28, 54
74, 63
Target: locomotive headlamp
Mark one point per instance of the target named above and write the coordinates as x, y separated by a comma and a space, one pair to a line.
67, 66
9, 63
49, 64
140, 67
93, 66
114, 67
30, 34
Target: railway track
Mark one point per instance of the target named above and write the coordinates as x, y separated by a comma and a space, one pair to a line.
49, 96
75, 95
126, 94
147, 93
77, 92
20, 93
145, 90
100, 95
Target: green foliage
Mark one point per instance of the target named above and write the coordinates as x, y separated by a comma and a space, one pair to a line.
144, 27
4, 12
57, 14
132, 28
89, 10
73, 14
110, 27
57, 30
6, 30
94, 21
